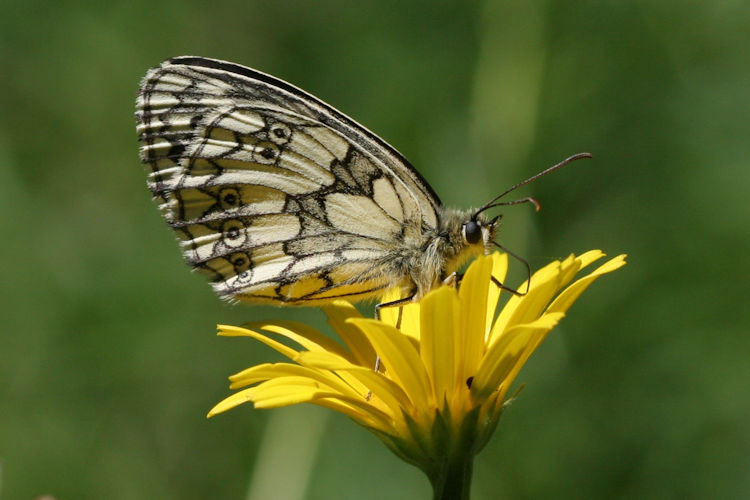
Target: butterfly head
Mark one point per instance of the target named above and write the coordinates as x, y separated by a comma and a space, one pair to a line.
479, 231
468, 233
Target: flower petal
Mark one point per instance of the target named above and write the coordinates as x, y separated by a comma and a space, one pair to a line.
236, 331
284, 392
357, 409
473, 293
507, 355
401, 360
291, 390
337, 367
566, 298
410, 319
338, 313
382, 388
499, 272
390, 314
304, 335
270, 371
545, 283
586, 258
440, 338
404, 317
230, 402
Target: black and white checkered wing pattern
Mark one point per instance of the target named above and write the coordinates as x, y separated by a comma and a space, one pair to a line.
274, 195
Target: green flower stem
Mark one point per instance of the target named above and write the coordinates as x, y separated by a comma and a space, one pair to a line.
454, 481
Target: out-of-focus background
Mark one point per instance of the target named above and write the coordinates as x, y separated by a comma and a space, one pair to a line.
108, 360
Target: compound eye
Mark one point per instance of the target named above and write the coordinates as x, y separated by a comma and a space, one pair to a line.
472, 232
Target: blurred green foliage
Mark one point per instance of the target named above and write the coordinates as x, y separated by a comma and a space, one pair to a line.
108, 362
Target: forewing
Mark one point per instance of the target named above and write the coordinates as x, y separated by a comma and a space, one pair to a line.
275, 196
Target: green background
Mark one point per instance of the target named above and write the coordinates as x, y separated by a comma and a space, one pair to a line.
108, 362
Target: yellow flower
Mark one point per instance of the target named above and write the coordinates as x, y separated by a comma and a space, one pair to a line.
445, 369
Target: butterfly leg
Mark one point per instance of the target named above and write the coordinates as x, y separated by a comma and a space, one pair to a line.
454, 280
520, 259
503, 287
393, 303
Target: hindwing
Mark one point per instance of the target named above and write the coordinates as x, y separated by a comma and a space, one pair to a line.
274, 195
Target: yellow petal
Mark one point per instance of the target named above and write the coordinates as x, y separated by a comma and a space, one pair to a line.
279, 371
338, 313
304, 335
473, 293
499, 272
266, 396
259, 373
236, 331
545, 283
568, 296
356, 409
509, 353
232, 401
405, 317
586, 258
381, 387
390, 314
276, 392
410, 320
401, 360
335, 367
385, 392
440, 330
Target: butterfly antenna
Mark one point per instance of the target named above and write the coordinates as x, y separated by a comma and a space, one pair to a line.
492, 203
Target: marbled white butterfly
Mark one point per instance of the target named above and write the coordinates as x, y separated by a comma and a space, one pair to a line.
279, 198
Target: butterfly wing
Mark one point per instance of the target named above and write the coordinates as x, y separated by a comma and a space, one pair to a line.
274, 195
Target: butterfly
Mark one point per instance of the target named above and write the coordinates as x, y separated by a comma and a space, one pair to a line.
279, 198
